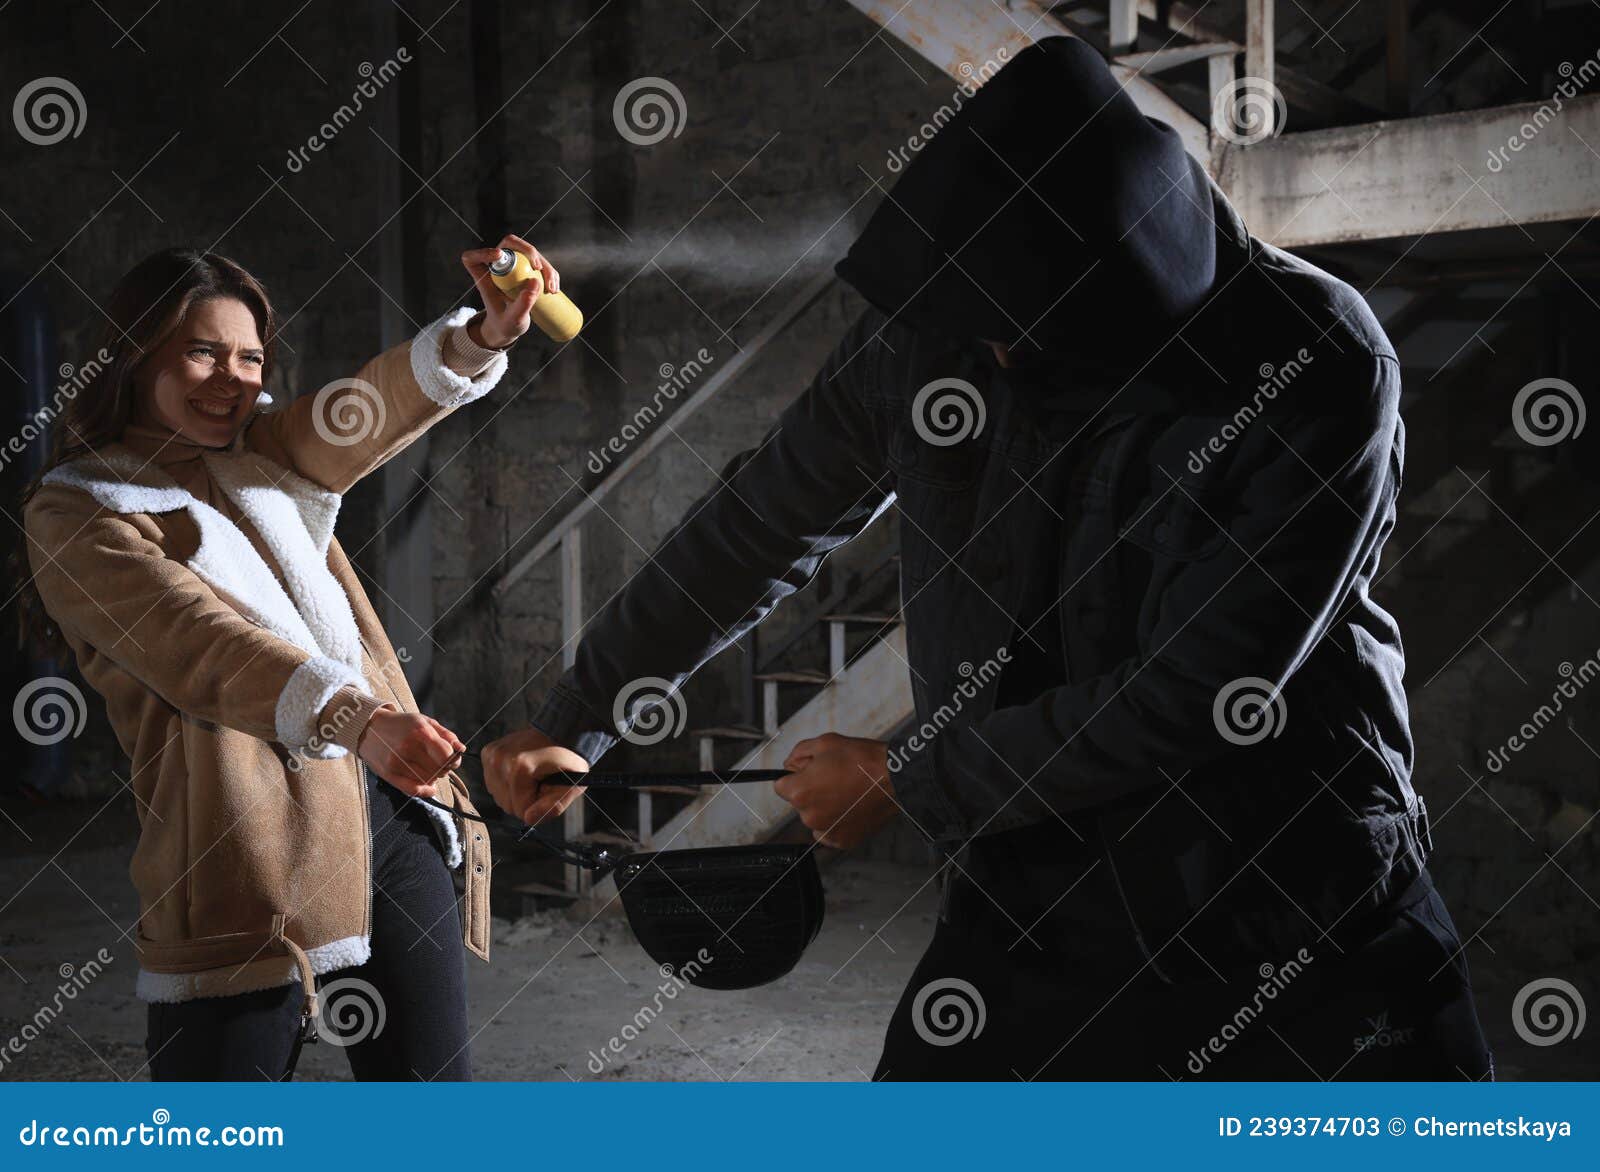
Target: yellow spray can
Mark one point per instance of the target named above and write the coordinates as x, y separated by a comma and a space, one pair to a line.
554, 313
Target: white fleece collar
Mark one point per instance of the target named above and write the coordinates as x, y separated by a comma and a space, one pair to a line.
294, 516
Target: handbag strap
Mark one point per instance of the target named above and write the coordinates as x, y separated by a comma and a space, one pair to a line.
592, 856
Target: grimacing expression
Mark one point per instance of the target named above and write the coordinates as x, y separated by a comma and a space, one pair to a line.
203, 381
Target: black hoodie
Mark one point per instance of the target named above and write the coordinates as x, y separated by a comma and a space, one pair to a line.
1049, 214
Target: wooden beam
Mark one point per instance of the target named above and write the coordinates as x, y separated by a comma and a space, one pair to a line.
571, 595
573, 820
1369, 181
953, 33
1221, 73
1443, 173
1325, 104
1155, 61
1122, 26
1397, 75
1259, 52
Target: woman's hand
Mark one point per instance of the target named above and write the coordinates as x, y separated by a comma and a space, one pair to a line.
407, 749
504, 319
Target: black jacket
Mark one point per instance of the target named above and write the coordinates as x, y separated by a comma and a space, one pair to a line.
1232, 509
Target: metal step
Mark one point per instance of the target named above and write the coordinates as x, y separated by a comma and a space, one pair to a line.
707, 739
771, 681
729, 732
1161, 60
838, 624
871, 699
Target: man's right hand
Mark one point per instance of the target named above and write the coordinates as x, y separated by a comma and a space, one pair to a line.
515, 765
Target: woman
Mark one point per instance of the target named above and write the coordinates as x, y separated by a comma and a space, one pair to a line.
181, 544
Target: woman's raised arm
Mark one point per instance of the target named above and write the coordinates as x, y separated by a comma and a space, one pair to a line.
351, 426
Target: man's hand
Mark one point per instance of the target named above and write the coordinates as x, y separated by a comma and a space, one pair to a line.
513, 767
407, 749
840, 788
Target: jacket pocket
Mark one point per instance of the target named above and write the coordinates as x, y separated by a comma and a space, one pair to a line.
1180, 522
1197, 904
922, 462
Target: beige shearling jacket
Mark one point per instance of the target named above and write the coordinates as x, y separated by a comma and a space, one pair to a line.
206, 599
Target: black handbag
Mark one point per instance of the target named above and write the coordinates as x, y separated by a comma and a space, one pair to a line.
723, 917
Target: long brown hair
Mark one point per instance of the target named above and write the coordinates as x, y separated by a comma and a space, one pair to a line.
147, 305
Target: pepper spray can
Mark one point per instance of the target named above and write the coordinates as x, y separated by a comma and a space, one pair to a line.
554, 313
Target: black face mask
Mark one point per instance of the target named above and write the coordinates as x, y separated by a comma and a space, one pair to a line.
723, 917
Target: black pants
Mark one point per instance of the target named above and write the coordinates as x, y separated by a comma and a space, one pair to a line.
1397, 1007
401, 1016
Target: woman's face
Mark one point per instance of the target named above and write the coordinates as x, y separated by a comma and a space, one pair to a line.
202, 382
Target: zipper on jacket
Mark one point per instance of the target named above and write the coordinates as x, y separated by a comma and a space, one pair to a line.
365, 799
1127, 907
400, 704
365, 796
366, 817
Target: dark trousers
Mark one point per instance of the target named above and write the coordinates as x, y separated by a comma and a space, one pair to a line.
1397, 1006
401, 1016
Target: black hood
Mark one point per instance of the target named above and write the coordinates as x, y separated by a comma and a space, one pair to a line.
1049, 213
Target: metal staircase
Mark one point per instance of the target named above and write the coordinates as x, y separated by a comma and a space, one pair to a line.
841, 670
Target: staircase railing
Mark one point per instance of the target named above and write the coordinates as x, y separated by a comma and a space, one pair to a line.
567, 533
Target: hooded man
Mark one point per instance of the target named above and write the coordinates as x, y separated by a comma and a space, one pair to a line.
1145, 465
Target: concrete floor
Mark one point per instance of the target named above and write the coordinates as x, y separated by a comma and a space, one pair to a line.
565, 989
557, 989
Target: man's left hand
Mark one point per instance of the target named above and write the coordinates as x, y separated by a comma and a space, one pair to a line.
840, 788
